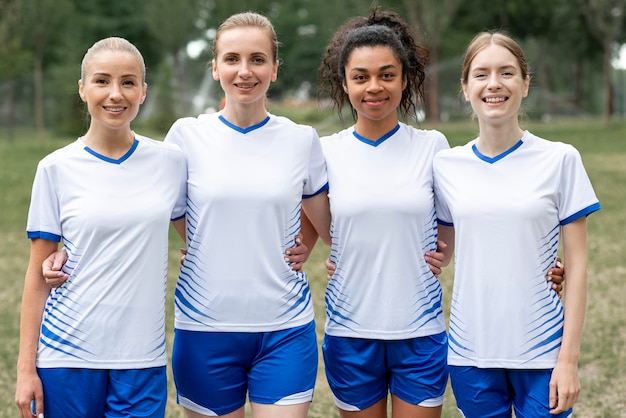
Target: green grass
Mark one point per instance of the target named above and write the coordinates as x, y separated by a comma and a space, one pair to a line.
603, 360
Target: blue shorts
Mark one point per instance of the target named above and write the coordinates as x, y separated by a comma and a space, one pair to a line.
361, 372
491, 393
79, 393
214, 371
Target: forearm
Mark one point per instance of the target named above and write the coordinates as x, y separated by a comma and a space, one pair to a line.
309, 234
180, 226
575, 300
317, 209
34, 298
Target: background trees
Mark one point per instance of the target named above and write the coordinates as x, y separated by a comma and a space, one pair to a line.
569, 45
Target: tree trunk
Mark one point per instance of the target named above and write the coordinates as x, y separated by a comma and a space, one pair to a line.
38, 91
11, 110
432, 87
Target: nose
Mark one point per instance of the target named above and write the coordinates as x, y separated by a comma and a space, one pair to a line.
494, 82
115, 93
244, 70
374, 85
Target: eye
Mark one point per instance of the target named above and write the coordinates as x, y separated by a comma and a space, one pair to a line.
128, 83
258, 60
230, 59
100, 81
388, 76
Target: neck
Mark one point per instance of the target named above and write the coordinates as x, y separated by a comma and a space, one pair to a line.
493, 139
374, 129
112, 143
244, 115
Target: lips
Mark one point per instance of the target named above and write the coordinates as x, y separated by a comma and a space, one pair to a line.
114, 108
495, 99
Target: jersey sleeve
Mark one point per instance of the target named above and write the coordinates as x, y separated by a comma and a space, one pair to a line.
180, 207
317, 180
44, 219
576, 196
444, 217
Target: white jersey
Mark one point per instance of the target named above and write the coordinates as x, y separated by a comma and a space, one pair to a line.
113, 217
383, 222
244, 193
507, 212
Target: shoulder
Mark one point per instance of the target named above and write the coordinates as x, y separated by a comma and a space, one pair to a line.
62, 154
559, 150
337, 136
428, 135
286, 123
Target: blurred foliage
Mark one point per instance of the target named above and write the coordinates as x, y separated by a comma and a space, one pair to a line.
42, 44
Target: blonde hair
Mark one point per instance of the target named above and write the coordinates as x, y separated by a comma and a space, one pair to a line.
248, 19
112, 44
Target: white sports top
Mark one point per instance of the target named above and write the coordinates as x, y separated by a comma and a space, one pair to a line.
113, 217
507, 211
244, 192
383, 222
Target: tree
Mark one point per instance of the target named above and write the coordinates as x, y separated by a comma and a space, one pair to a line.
40, 33
14, 59
605, 19
173, 25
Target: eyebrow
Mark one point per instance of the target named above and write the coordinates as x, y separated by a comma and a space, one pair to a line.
101, 74
364, 70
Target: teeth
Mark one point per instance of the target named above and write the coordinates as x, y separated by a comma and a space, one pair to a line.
114, 109
494, 99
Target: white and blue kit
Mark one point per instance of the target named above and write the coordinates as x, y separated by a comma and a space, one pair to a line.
113, 217
383, 222
508, 211
244, 192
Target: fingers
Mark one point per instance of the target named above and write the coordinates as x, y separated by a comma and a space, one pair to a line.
297, 256
435, 261
330, 268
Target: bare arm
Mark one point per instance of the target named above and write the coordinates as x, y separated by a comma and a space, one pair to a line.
36, 291
564, 384
439, 259
309, 234
317, 210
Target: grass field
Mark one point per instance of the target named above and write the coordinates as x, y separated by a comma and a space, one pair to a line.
603, 361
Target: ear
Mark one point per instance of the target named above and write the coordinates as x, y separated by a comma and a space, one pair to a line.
464, 87
81, 90
345, 87
143, 93
275, 71
216, 75
526, 86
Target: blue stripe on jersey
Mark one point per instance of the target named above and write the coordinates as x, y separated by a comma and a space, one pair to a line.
584, 212
111, 160
323, 188
244, 130
379, 140
43, 235
492, 160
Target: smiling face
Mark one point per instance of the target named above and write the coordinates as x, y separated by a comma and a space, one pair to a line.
244, 64
113, 88
374, 84
495, 85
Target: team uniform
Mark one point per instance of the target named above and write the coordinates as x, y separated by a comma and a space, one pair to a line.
244, 193
113, 217
508, 208
383, 304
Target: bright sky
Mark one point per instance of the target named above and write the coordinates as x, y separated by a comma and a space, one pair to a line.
620, 61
